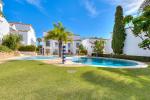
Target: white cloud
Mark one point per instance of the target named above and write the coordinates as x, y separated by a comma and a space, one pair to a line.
36, 3
130, 6
91, 8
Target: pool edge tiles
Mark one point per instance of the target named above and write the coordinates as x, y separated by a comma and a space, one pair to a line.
138, 64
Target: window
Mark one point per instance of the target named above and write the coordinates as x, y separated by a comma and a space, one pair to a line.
55, 52
69, 45
48, 43
77, 51
47, 52
56, 44
77, 45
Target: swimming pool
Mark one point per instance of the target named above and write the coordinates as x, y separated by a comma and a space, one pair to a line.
95, 62
37, 58
108, 62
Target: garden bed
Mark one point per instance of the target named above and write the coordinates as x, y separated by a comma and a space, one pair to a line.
4, 55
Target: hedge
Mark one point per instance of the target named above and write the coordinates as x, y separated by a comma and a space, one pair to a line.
4, 49
128, 57
30, 48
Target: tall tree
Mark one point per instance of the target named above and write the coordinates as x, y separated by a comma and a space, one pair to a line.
118, 32
140, 26
60, 34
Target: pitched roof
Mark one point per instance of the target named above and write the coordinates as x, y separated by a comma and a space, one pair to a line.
18, 31
19, 23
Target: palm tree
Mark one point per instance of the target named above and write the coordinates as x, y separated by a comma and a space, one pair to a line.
39, 41
60, 34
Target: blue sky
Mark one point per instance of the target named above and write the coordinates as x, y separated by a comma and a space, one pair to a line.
88, 18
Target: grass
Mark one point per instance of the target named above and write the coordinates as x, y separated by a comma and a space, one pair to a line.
32, 80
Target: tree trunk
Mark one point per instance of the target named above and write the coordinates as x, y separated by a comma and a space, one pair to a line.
60, 48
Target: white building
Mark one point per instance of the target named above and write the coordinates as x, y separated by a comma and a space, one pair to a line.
51, 47
1, 5
26, 30
130, 47
4, 25
89, 44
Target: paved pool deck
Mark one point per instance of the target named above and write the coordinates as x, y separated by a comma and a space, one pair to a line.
58, 62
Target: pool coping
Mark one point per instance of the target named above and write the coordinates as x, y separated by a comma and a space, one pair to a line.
20, 58
140, 64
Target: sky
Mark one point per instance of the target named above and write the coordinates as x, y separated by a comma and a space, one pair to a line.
87, 18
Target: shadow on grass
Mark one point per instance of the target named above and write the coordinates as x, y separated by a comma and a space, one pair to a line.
126, 82
140, 75
129, 72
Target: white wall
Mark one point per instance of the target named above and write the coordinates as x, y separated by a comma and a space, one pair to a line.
1, 6
25, 38
108, 49
131, 46
31, 36
4, 28
88, 44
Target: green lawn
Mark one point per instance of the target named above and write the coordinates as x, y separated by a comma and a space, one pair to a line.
31, 80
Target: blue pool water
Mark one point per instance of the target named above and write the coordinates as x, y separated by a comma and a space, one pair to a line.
104, 62
38, 58
97, 62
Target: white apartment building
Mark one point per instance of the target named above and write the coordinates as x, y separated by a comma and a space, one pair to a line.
51, 47
4, 25
26, 30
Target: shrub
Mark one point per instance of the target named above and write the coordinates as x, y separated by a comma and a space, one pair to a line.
4, 49
82, 50
30, 48
12, 41
99, 46
38, 48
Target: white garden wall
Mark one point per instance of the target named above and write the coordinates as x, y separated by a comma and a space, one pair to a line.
131, 46
108, 49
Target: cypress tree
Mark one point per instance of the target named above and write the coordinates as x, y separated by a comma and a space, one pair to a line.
119, 34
